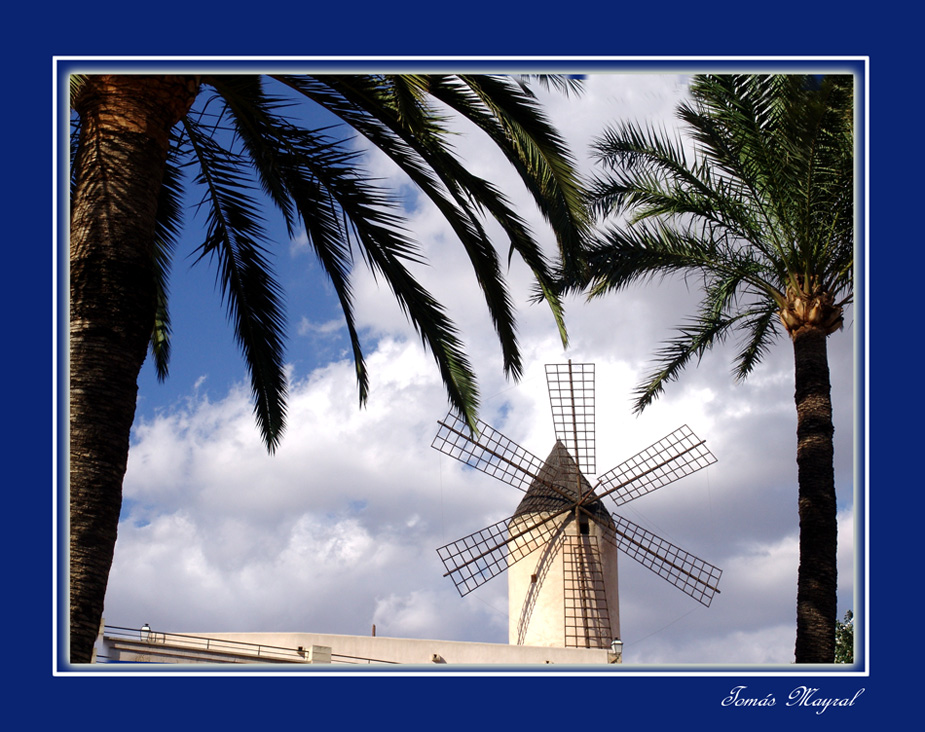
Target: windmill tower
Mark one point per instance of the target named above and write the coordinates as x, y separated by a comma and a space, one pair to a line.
564, 592
560, 544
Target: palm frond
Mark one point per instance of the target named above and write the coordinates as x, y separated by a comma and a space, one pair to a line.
733, 123
252, 296
253, 115
247, 148
514, 120
169, 223
340, 208
650, 249
694, 339
75, 85
290, 163
760, 325
567, 84
368, 217
649, 175
426, 157
72, 155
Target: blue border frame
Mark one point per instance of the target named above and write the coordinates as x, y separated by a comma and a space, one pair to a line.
419, 703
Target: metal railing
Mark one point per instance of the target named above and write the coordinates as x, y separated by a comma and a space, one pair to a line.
221, 650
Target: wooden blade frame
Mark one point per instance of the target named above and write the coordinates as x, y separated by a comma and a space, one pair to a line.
488, 451
495, 455
671, 458
473, 560
690, 574
571, 397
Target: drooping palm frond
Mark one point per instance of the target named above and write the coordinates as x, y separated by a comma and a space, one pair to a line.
567, 84
254, 116
396, 116
75, 84
760, 326
426, 157
169, 224
325, 183
325, 179
513, 120
692, 341
235, 238
660, 248
296, 168
72, 154
649, 175
655, 250
722, 313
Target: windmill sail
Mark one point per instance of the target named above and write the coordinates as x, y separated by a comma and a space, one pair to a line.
569, 583
671, 458
571, 397
544, 563
489, 451
473, 560
690, 574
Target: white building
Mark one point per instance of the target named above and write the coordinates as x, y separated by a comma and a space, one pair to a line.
121, 645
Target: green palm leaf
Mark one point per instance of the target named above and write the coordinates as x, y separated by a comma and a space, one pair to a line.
236, 241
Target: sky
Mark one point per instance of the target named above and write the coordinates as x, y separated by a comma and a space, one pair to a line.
337, 531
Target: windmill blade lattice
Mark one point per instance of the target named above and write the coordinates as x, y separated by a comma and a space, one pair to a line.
488, 451
473, 560
587, 616
671, 458
571, 397
690, 574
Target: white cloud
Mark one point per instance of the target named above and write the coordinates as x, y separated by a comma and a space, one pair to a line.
309, 327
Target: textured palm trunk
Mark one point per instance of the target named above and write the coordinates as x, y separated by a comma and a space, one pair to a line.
125, 126
817, 583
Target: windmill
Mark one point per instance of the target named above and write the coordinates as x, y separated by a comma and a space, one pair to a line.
565, 593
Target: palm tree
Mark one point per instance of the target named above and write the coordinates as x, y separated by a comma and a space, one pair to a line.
762, 212
133, 138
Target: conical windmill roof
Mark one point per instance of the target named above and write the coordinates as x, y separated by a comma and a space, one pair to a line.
561, 471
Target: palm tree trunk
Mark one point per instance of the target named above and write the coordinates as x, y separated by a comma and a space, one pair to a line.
817, 583
125, 128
